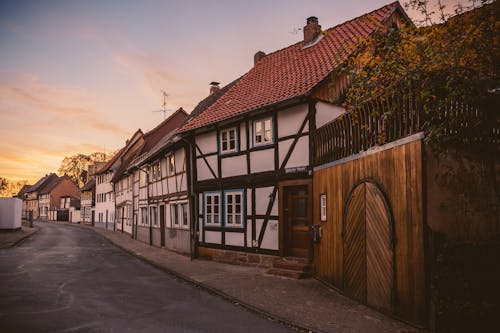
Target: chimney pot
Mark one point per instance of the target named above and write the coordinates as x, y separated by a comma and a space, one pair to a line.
214, 87
259, 55
311, 30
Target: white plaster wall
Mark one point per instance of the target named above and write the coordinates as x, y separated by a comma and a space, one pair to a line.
213, 237
243, 137
271, 236
234, 166
249, 233
249, 201
180, 160
172, 185
182, 181
300, 154
258, 226
235, 238
207, 142
290, 120
200, 229
262, 201
202, 168
327, 112
10, 213
262, 160
74, 215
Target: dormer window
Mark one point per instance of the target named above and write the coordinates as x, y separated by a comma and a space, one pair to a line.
263, 132
228, 140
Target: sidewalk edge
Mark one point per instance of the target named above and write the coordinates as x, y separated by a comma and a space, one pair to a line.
215, 291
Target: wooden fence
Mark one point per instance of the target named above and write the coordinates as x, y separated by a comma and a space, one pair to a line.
395, 116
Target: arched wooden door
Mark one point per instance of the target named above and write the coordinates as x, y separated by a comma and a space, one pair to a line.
368, 250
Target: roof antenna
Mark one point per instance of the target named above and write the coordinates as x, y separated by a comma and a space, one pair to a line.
164, 105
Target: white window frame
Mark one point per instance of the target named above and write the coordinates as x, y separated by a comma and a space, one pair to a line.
174, 216
227, 133
153, 215
262, 132
209, 204
322, 207
230, 209
171, 164
184, 220
144, 216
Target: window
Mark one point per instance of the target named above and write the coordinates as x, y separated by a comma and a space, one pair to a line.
184, 210
228, 140
234, 209
262, 132
155, 170
153, 216
144, 216
322, 200
212, 208
174, 215
179, 215
171, 164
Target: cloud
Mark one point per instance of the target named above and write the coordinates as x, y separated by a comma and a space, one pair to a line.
42, 101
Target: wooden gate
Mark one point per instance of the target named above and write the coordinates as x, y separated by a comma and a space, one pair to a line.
368, 247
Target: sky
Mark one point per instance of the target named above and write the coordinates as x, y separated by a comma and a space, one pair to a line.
82, 76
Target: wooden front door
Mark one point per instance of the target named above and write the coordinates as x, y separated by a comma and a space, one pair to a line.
297, 221
162, 224
368, 252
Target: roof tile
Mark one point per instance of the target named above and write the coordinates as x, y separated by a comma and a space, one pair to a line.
292, 71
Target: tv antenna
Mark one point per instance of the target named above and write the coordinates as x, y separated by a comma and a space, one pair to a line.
164, 105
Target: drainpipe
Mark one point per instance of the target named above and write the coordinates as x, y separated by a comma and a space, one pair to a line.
147, 207
193, 202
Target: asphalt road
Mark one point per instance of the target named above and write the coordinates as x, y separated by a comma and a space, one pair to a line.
69, 279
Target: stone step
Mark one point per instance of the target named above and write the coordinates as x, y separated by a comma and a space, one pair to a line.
288, 273
292, 266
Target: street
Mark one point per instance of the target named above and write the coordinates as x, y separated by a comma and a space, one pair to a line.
69, 279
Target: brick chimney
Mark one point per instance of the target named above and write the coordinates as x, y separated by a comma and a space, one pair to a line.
214, 87
311, 30
259, 55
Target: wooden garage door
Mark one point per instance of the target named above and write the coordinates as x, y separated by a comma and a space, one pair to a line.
368, 253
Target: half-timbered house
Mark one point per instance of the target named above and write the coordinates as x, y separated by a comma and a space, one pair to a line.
87, 194
104, 194
251, 152
32, 195
157, 181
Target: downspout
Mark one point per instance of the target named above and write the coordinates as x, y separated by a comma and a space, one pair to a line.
193, 202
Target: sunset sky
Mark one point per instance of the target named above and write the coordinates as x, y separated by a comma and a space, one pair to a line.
81, 76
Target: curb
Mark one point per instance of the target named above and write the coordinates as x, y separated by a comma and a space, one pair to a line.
18, 241
209, 289
216, 292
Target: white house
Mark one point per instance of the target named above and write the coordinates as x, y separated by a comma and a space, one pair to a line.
251, 152
159, 188
104, 212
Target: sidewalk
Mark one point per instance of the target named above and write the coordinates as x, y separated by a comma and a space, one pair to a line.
11, 238
307, 304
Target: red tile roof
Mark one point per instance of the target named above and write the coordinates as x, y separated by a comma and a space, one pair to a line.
110, 163
292, 71
170, 124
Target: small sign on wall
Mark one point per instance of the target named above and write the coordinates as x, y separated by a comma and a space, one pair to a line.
322, 207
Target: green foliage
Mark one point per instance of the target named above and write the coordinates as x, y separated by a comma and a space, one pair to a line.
75, 166
453, 61
9, 188
3, 183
